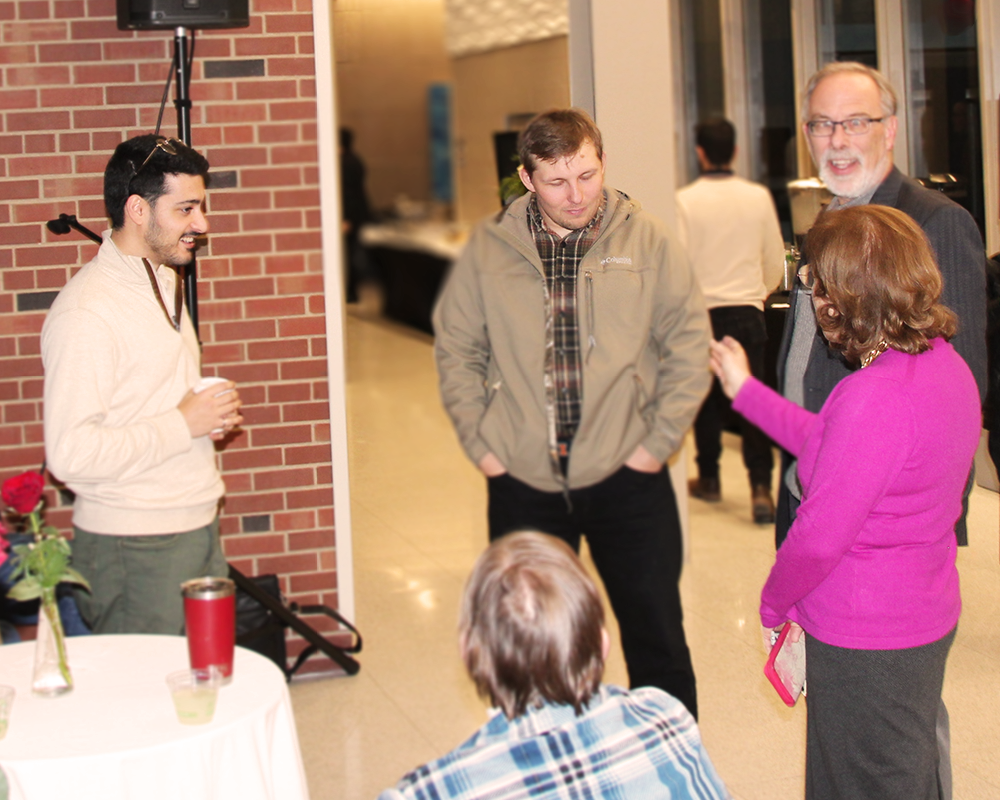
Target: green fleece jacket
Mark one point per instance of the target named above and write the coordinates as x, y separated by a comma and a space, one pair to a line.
644, 332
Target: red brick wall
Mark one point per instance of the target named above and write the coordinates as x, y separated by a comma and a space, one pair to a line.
73, 86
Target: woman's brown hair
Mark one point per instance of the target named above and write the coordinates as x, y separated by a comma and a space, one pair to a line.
876, 268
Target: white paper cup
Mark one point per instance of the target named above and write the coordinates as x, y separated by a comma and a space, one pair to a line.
205, 383
208, 382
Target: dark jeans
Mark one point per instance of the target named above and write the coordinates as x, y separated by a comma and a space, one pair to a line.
788, 504
746, 325
633, 532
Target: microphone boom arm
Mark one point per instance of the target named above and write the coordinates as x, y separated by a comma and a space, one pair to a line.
67, 221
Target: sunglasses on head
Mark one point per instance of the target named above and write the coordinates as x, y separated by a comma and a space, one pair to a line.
168, 146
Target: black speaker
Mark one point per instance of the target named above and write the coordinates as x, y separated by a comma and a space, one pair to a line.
146, 15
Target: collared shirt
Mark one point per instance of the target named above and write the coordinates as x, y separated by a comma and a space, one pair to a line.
561, 262
638, 744
838, 202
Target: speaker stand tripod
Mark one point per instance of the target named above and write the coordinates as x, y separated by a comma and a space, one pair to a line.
182, 103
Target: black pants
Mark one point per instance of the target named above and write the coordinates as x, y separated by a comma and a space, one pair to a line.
788, 504
633, 532
746, 325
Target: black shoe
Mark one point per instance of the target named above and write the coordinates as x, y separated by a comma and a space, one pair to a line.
706, 489
763, 506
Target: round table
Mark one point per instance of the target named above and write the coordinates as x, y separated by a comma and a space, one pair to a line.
116, 734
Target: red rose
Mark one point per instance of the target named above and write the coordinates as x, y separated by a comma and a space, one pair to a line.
22, 492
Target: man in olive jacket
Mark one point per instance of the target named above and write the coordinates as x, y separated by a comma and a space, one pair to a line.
572, 347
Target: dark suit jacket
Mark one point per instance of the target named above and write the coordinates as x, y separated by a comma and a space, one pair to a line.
961, 256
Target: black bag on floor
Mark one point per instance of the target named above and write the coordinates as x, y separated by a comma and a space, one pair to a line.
259, 629
262, 617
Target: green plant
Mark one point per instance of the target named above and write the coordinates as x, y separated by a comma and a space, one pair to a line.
512, 187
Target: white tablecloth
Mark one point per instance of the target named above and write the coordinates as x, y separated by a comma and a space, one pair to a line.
116, 734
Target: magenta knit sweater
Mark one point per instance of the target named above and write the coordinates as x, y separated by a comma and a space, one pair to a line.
870, 561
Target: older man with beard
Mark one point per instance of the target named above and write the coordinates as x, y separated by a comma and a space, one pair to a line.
849, 120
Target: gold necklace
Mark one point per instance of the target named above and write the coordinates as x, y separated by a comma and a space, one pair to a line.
874, 353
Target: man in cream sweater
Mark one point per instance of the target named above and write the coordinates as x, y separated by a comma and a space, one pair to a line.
124, 427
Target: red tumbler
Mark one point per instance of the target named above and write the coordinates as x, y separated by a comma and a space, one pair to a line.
210, 621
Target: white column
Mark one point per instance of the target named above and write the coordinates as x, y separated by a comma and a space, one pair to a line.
636, 106
333, 292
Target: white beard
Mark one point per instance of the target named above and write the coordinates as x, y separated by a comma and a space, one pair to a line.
859, 183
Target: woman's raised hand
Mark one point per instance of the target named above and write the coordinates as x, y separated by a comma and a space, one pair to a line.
729, 362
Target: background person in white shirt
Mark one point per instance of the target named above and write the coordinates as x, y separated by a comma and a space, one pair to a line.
731, 231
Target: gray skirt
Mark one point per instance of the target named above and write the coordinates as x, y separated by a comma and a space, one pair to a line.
871, 724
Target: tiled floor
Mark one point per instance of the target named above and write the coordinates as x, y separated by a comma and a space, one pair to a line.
419, 522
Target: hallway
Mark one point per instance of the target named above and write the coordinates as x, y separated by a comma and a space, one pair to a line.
419, 522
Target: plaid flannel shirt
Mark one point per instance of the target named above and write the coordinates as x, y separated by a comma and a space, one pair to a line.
561, 262
626, 745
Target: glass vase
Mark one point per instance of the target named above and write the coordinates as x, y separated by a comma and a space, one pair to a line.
51, 675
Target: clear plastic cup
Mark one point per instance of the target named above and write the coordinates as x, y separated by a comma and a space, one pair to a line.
194, 692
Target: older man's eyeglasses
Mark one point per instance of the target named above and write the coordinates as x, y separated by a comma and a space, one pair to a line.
806, 277
168, 146
855, 126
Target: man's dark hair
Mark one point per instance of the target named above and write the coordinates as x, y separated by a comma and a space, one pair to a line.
717, 139
346, 139
126, 175
554, 134
531, 625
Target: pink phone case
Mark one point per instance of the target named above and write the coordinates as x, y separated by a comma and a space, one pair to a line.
786, 667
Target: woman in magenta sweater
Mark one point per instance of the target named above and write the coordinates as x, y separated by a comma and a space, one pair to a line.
868, 568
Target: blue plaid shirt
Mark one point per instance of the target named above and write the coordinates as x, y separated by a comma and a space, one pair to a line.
626, 746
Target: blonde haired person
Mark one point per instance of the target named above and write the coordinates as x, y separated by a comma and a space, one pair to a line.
533, 640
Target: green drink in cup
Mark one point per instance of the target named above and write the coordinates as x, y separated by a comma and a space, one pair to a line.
194, 692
